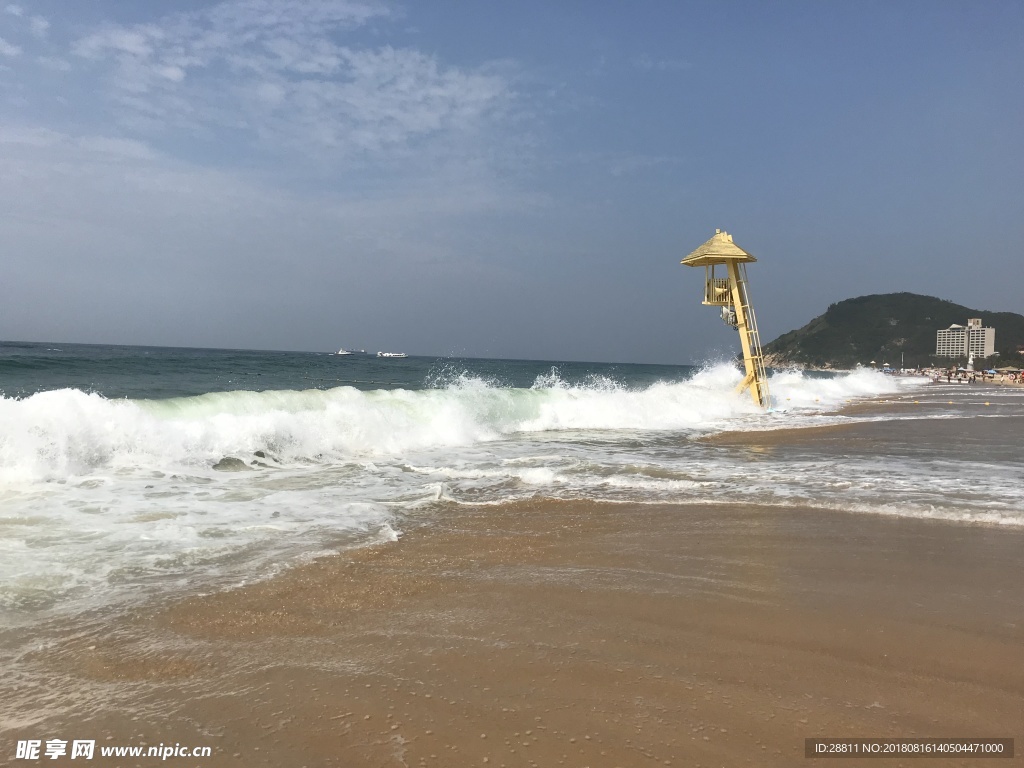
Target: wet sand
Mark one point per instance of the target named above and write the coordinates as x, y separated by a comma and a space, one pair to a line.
569, 634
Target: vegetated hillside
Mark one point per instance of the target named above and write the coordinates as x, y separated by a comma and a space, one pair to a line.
882, 326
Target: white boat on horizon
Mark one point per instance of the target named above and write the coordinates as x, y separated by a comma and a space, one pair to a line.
343, 352
391, 354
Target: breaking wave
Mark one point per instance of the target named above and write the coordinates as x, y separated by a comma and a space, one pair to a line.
57, 434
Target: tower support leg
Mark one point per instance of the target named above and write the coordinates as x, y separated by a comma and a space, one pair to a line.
756, 379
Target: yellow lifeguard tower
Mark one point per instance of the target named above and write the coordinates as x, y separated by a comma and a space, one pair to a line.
730, 293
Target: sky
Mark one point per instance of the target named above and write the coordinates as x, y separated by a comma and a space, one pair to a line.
498, 179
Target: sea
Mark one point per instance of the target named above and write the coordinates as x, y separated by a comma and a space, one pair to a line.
128, 473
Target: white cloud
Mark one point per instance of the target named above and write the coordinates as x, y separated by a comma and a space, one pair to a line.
122, 148
118, 40
38, 26
9, 49
271, 94
15, 10
30, 136
277, 73
55, 63
172, 73
95, 147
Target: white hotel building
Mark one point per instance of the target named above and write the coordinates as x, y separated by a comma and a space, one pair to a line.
969, 341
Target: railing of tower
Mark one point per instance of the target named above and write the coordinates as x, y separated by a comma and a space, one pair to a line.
716, 289
754, 338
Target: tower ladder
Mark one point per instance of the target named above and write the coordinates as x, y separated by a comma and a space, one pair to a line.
757, 376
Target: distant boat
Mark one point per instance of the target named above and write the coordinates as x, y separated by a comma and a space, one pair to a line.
343, 352
391, 354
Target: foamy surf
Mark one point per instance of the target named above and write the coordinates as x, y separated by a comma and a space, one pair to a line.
106, 500
52, 436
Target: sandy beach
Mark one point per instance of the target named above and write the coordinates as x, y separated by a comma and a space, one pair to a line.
546, 634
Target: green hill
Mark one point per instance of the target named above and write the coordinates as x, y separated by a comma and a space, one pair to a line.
882, 326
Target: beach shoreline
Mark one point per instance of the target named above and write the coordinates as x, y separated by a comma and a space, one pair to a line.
567, 633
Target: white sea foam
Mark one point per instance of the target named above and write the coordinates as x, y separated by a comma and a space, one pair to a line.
102, 499
53, 436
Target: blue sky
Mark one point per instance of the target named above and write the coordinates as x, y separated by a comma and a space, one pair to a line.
497, 179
